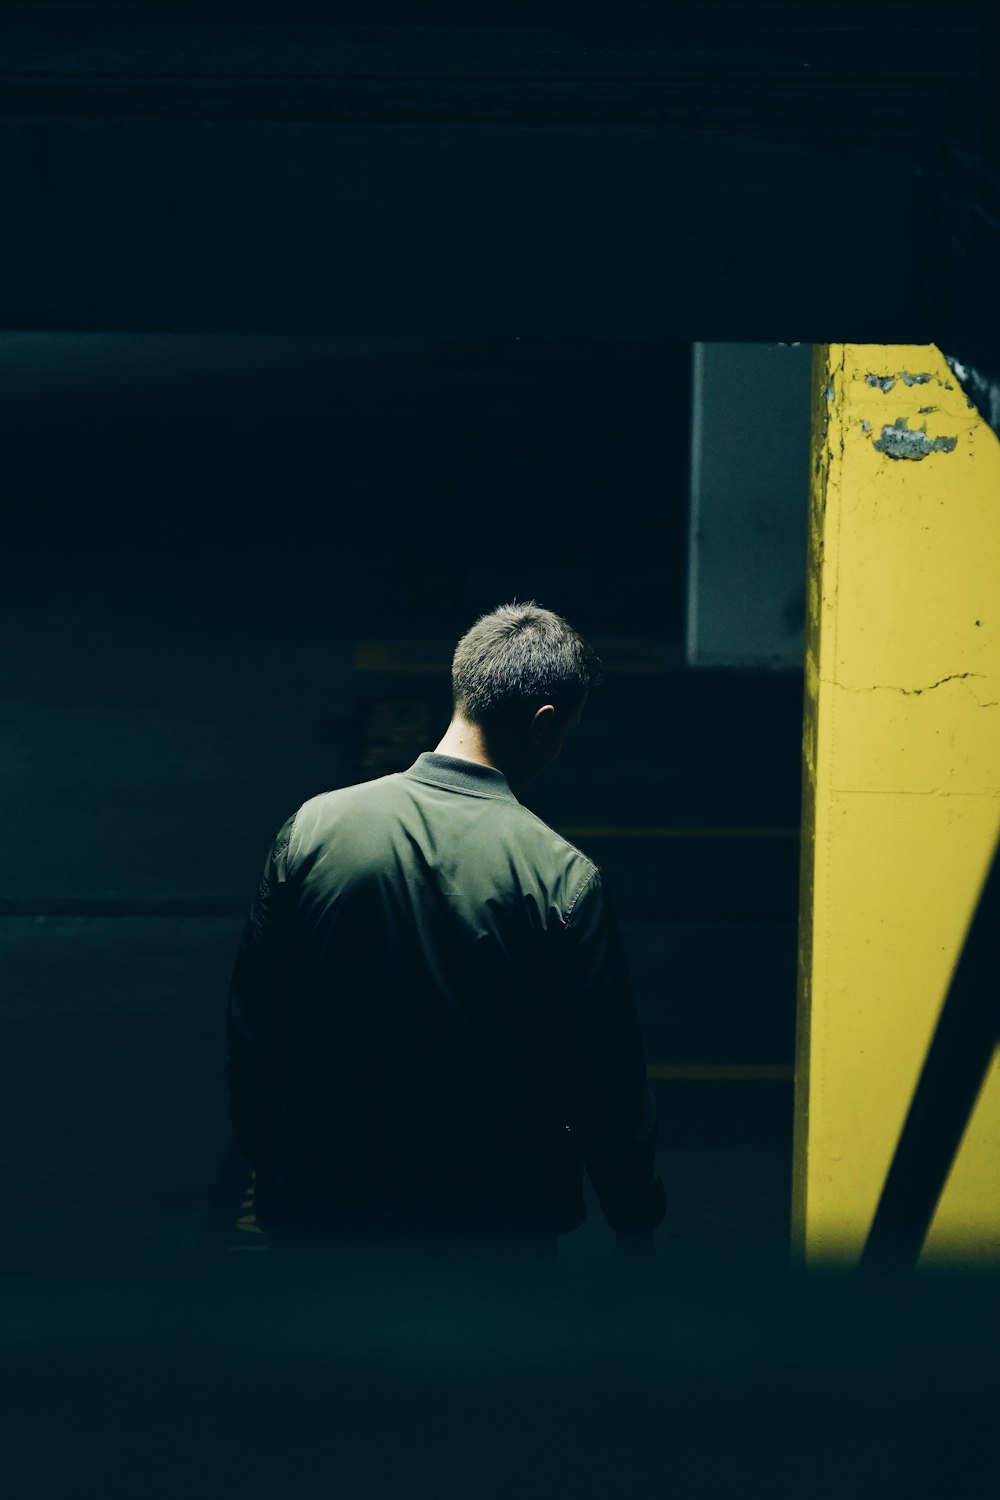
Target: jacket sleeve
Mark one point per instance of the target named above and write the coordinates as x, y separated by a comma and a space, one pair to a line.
612, 1109
256, 1017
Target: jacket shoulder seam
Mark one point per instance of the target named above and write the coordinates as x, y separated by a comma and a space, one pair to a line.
282, 853
565, 842
589, 879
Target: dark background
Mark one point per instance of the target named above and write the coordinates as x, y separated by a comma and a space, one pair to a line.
326, 329
245, 563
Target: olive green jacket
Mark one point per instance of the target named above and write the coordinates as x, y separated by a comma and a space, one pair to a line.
430, 1014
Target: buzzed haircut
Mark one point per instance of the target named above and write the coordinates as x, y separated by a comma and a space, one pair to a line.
520, 656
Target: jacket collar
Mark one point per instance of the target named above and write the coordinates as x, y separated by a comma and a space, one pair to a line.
462, 775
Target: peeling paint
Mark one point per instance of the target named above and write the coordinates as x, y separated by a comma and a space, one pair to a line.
926, 409
866, 426
899, 441
886, 382
828, 393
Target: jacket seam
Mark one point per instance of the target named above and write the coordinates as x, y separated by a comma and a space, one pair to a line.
564, 841
450, 786
580, 890
283, 848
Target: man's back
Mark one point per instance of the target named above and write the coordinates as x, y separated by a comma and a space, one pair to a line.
430, 1015
430, 951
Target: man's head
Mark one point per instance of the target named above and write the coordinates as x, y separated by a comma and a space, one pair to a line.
521, 676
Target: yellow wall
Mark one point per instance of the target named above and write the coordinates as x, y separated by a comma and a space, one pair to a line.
901, 798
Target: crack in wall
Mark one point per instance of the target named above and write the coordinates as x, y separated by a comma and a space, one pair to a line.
891, 687
954, 677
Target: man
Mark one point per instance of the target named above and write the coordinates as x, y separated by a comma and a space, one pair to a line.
430, 1018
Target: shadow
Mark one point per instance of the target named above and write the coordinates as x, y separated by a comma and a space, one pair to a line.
956, 1064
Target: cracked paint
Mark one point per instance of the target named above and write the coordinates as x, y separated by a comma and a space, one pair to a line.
898, 440
892, 687
915, 692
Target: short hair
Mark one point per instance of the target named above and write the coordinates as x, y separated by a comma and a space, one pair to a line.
520, 655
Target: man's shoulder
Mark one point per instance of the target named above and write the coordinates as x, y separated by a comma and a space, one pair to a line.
320, 813
555, 840
576, 870
339, 796
511, 825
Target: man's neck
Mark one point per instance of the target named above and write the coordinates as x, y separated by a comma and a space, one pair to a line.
465, 741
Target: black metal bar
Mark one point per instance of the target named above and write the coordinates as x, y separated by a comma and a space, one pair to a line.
957, 1061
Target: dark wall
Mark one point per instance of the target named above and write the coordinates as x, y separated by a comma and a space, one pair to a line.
202, 530
358, 485
306, 352
675, 171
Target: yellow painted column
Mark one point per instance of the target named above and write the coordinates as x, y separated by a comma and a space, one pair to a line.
901, 793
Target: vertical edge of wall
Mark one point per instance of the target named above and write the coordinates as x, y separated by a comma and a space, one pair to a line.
819, 476
691, 631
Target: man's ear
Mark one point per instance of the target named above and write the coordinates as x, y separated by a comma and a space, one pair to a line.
543, 719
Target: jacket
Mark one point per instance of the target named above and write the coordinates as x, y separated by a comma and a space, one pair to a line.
430, 1015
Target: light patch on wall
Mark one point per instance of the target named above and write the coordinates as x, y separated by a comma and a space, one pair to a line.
985, 390
749, 503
